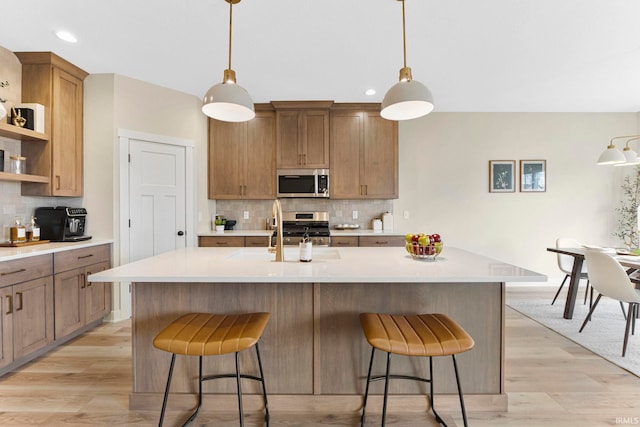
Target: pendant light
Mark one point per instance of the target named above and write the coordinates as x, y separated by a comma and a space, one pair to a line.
407, 99
228, 101
613, 156
631, 157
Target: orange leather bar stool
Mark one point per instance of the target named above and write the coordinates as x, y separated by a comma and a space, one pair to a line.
203, 334
426, 335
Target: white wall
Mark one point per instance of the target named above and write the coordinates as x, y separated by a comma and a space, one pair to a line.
115, 102
444, 182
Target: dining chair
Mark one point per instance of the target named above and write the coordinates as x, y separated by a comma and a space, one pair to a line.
565, 263
611, 280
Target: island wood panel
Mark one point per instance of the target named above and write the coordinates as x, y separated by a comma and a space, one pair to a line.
286, 346
343, 352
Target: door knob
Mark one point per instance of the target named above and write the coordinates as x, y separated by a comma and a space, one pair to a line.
180, 233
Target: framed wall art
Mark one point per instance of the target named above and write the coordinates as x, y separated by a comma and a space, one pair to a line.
533, 176
502, 176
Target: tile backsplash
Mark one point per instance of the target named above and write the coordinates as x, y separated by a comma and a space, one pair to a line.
340, 211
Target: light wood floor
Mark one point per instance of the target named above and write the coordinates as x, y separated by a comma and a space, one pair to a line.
550, 382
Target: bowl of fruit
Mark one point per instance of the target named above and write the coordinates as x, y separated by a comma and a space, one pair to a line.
423, 246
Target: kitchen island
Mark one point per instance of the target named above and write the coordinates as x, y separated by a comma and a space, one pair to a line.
314, 352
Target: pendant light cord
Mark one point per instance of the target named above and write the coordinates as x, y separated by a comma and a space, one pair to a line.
404, 36
230, 25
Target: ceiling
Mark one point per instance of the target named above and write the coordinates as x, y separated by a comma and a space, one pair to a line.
489, 55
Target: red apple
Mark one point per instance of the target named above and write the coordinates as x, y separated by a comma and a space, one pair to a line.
436, 238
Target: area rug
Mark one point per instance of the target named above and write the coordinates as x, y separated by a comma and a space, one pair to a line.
603, 335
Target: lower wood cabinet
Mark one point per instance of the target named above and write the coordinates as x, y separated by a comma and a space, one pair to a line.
27, 307
78, 302
45, 298
233, 241
344, 241
367, 241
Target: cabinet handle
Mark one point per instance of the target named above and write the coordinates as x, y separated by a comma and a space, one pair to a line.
86, 281
381, 243
13, 272
304, 159
85, 256
366, 190
19, 295
57, 182
222, 243
10, 304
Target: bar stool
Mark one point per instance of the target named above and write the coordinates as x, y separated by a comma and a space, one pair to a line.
426, 335
204, 334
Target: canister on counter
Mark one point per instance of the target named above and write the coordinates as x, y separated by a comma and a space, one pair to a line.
387, 221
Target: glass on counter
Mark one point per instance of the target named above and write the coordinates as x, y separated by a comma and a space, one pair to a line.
18, 164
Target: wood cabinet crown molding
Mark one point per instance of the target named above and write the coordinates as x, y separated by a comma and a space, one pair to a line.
50, 58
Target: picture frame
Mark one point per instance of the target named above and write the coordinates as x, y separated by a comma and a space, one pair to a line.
533, 176
502, 176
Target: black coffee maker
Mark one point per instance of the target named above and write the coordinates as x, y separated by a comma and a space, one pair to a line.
62, 223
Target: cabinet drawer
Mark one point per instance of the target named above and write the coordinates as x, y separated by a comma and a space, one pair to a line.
76, 258
391, 241
21, 270
344, 241
256, 241
221, 241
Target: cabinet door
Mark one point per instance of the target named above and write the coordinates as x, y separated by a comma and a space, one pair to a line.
260, 172
69, 301
32, 316
256, 241
97, 294
288, 139
344, 241
379, 174
315, 139
346, 139
6, 326
221, 241
66, 127
227, 147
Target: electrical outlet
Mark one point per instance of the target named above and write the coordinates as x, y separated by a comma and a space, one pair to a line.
406, 214
355, 215
246, 214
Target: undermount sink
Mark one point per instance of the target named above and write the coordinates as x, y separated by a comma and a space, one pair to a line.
290, 254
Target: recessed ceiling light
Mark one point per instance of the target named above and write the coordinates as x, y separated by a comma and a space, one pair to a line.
66, 36
370, 92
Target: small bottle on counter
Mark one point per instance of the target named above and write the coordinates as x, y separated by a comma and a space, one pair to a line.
33, 230
306, 247
17, 232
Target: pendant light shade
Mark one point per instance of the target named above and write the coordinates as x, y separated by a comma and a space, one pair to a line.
228, 101
407, 99
611, 156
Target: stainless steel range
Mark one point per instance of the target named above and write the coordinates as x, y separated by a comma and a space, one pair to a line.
294, 225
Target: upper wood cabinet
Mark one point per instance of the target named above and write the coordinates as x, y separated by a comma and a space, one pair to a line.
242, 158
302, 134
57, 84
364, 153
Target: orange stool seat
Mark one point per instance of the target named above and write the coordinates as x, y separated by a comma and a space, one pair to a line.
421, 335
204, 334
415, 335
207, 334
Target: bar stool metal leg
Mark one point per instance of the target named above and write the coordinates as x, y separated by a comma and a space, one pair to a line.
239, 391
433, 408
366, 390
386, 390
195, 413
264, 387
166, 391
464, 412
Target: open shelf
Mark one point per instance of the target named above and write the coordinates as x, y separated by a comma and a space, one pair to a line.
15, 132
23, 177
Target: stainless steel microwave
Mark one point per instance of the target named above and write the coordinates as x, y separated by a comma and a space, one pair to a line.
303, 182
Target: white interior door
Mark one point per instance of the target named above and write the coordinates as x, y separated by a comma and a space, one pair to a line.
157, 196
156, 204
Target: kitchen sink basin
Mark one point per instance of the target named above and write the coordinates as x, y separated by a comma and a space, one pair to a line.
290, 254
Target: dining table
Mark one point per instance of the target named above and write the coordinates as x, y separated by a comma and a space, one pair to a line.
628, 260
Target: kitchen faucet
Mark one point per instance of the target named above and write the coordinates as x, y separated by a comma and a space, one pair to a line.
279, 248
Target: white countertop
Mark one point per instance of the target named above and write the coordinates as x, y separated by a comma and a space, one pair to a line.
329, 265
9, 253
